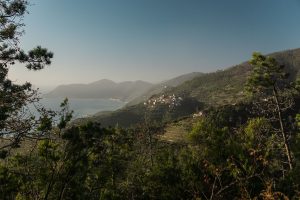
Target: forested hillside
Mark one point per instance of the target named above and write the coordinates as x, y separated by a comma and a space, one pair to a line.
226, 86
213, 89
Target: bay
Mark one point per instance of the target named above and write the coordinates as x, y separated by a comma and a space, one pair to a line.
83, 107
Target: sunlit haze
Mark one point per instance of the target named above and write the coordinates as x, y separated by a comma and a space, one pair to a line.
152, 40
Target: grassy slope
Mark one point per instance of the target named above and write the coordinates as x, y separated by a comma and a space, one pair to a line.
178, 131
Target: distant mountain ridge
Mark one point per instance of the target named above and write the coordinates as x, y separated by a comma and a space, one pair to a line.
104, 89
133, 92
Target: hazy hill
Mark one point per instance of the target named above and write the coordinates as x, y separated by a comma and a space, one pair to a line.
226, 86
104, 88
133, 91
165, 85
211, 89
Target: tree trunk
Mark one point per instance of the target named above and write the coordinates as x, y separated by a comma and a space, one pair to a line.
286, 145
151, 148
49, 185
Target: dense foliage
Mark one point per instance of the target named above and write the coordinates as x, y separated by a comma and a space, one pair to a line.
224, 160
248, 150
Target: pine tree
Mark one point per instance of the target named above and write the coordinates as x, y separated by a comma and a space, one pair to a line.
269, 81
14, 123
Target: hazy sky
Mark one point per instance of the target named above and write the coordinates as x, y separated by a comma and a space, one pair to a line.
153, 40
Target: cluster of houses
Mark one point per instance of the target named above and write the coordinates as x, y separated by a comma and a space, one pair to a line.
170, 100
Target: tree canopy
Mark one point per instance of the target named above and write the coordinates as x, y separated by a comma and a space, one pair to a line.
14, 122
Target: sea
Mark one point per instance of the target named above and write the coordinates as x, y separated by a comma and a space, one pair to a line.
83, 107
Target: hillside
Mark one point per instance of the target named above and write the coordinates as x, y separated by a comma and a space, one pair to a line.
160, 87
133, 92
104, 89
137, 114
211, 89
226, 86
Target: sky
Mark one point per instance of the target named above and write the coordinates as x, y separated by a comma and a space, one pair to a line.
152, 40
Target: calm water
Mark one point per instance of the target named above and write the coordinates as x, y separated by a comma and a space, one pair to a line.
84, 107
